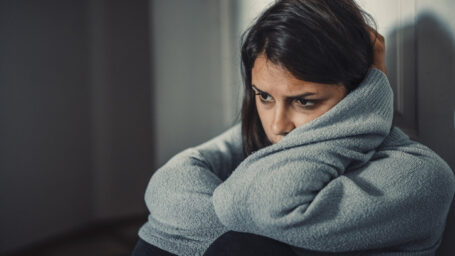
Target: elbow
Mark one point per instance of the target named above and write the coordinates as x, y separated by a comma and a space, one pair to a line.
278, 212
154, 193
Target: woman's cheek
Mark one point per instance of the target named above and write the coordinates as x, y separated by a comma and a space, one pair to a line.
266, 117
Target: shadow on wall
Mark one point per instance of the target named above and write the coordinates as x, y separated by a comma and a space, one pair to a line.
428, 92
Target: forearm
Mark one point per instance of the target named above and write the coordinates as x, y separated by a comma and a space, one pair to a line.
381, 204
179, 194
179, 197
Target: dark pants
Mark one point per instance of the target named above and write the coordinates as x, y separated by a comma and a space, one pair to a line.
229, 244
240, 244
145, 249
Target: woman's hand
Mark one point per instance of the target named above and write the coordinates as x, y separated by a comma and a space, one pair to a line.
378, 50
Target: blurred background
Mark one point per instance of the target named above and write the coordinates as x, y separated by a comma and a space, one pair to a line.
95, 95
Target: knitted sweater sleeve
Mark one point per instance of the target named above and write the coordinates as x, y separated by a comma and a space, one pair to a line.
399, 201
179, 193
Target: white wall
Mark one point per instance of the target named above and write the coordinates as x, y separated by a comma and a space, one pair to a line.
190, 99
396, 21
420, 41
436, 88
249, 10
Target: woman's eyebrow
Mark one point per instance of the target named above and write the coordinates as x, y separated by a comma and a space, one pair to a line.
259, 90
291, 97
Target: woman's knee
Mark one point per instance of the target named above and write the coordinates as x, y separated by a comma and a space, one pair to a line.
143, 248
235, 243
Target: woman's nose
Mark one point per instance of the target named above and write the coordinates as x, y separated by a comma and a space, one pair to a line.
282, 124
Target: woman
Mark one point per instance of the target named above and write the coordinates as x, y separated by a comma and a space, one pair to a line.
315, 167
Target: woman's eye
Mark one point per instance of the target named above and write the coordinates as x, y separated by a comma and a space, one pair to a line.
264, 96
306, 103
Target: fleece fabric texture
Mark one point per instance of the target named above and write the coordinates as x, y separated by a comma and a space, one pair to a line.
347, 183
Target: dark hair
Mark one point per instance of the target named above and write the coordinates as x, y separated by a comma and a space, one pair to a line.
323, 41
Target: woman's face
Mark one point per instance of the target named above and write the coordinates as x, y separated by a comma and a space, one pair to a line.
285, 102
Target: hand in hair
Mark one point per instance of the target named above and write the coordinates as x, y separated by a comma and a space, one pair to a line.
378, 49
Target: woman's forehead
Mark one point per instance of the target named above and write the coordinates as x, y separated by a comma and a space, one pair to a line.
273, 78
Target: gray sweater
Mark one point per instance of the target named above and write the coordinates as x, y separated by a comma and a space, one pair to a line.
347, 182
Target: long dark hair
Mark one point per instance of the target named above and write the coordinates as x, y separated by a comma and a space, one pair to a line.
323, 41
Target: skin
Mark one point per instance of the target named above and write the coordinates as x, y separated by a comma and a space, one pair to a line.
280, 100
379, 50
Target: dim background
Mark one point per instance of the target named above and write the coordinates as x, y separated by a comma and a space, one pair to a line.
96, 95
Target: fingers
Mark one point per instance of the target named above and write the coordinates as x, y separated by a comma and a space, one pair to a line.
374, 35
379, 49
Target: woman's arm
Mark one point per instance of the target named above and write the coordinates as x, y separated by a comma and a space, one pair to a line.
399, 199
179, 194
324, 187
